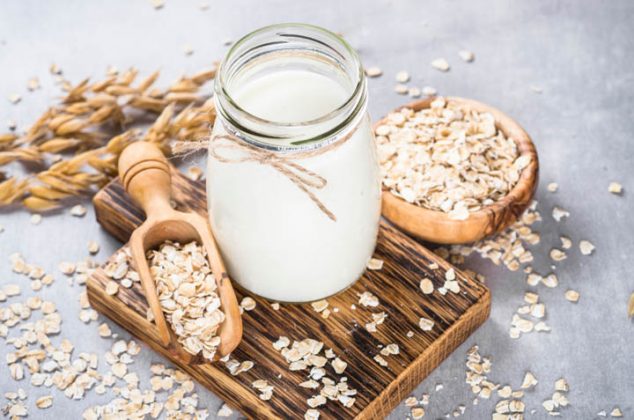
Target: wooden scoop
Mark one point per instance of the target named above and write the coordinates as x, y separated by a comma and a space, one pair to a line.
145, 175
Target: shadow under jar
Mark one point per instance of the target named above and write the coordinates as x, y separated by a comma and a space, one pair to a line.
293, 181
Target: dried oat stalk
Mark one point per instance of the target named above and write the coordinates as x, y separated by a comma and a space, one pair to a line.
74, 145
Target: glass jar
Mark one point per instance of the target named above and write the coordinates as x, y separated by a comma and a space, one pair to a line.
293, 181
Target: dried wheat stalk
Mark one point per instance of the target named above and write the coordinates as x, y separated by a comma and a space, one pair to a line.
74, 145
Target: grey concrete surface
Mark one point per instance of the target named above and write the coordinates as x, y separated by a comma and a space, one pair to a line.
581, 53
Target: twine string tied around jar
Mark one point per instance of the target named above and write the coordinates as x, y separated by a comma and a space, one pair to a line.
305, 179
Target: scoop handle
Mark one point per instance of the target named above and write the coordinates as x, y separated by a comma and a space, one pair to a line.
145, 175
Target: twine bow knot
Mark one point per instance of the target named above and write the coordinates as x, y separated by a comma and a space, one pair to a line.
305, 179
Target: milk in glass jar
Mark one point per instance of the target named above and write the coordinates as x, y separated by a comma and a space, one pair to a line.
293, 181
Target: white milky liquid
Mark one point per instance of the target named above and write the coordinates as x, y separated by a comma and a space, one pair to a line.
275, 241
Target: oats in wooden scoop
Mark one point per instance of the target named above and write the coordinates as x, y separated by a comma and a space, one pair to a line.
187, 292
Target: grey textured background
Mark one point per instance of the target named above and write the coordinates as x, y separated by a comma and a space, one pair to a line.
580, 52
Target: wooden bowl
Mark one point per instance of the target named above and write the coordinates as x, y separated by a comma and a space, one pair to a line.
436, 226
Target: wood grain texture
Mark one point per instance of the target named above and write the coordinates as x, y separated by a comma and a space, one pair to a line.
436, 226
397, 285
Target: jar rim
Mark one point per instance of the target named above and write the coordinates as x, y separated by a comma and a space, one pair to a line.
355, 100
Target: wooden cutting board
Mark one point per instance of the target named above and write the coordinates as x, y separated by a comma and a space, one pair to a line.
380, 389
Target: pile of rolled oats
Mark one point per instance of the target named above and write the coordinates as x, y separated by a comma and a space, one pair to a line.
307, 354
476, 376
510, 406
509, 247
533, 308
50, 362
132, 401
188, 295
36, 274
447, 158
558, 399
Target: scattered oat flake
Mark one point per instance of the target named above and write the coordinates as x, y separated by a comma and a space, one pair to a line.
157, 4
417, 412
529, 381
505, 392
373, 72
557, 254
402, 76
586, 247
104, 330
630, 306
11, 290
44, 402
542, 327
572, 296
616, 412
380, 360
194, 173
320, 305
188, 49
615, 188
562, 385
15, 98
36, 219
451, 285
311, 414
426, 286
224, 411
553, 187
425, 324
247, 303
466, 55
339, 365
266, 390
440, 64
530, 297
414, 92
550, 280
401, 89
67, 268
429, 91
559, 213
375, 264
33, 84
390, 349
368, 299
78, 210
566, 243
55, 69
93, 247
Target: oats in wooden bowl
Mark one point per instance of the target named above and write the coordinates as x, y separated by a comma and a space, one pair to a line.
454, 170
